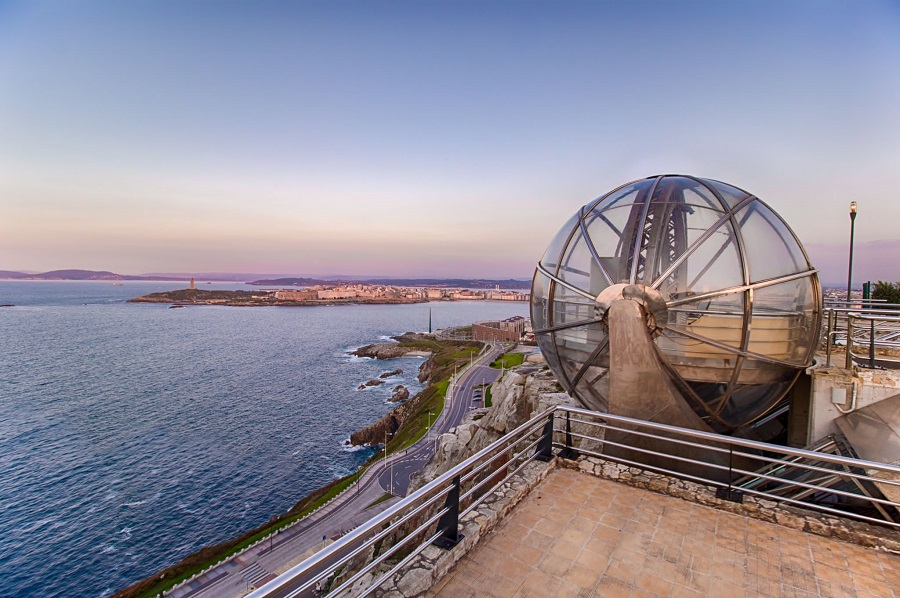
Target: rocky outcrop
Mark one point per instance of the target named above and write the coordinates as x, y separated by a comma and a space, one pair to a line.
522, 393
382, 351
391, 374
425, 370
385, 427
372, 382
408, 343
401, 393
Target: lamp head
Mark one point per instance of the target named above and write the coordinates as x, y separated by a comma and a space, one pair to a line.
853, 208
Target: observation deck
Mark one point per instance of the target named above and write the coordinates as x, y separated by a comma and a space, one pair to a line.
545, 511
577, 535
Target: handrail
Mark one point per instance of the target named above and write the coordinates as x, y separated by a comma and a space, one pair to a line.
385, 516
836, 330
789, 475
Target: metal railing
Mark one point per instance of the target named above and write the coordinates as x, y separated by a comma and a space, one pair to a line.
842, 326
825, 481
428, 516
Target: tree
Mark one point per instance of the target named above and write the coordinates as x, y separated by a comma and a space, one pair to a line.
889, 291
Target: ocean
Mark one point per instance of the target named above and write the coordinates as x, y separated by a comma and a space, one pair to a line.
132, 435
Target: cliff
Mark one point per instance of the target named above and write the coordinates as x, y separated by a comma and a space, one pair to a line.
523, 392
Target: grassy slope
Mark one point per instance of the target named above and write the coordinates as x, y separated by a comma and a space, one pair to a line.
509, 360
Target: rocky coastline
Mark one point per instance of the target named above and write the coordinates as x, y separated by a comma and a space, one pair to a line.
408, 344
435, 367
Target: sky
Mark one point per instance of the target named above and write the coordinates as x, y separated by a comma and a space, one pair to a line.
429, 138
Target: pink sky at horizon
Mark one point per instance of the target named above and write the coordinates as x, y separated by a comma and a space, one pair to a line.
439, 139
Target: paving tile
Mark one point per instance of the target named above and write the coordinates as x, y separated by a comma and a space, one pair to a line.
611, 587
590, 537
529, 555
654, 585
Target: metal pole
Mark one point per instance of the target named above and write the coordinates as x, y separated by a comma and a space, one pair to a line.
867, 294
850, 266
829, 338
848, 363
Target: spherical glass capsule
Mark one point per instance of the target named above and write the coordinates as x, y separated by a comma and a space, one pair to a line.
734, 302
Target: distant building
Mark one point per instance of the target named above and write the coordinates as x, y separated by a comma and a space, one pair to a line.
509, 330
296, 295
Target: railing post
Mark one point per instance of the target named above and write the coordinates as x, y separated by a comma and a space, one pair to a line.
569, 452
730, 493
544, 449
449, 522
848, 363
829, 338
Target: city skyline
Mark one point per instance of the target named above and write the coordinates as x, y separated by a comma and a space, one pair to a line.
428, 139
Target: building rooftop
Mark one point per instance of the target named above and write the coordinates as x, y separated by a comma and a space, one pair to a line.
579, 535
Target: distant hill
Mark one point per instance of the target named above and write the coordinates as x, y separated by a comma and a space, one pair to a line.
79, 275
450, 283
466, 283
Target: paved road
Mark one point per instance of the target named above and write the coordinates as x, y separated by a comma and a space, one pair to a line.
396, 480
261, 563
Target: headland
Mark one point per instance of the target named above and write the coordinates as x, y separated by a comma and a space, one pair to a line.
358, 293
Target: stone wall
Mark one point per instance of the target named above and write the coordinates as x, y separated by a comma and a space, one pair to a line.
848, 530
428, 567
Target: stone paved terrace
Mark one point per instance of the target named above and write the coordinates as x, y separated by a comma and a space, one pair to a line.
579, 535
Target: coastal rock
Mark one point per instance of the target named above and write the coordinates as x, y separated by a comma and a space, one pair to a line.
401, 393
381, 351
391, 374
408, 343
425, 370
372, 382
522, 393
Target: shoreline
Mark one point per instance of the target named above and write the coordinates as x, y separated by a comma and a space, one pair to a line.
406, 433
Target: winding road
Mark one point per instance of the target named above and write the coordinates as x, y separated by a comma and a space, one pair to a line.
260, 564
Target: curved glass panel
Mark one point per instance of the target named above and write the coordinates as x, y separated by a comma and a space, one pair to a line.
607, 230
719, 319
550, 261
685, 191
771, 248
685, 226
540, 300
783, 321
732, 195
731, 364
580, 269
714, 265
625, 196
568, 307
748, 402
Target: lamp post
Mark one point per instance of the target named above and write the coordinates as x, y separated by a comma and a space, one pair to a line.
850, 266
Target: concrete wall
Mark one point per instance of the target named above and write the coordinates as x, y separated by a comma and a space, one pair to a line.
838, 384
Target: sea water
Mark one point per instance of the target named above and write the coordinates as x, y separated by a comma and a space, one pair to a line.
132, 435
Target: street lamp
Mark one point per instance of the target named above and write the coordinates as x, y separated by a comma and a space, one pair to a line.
850, 267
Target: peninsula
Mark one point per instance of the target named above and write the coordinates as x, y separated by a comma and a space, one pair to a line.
327, 295
270, 297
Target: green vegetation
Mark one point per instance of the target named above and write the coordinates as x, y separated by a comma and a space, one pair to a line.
210, 555
447, 355
202, 296
488, 401
380, 499
889, 291
509, 360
